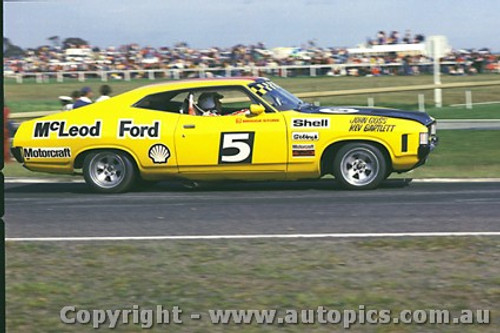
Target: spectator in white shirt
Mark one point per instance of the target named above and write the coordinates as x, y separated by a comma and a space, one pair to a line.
105, 91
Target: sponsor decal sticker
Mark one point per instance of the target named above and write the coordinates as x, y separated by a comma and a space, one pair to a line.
256, 120
305, 136
303, 150
263, 88
159, 153
370, 124
44, 129
46, 152
127, 129
311, 123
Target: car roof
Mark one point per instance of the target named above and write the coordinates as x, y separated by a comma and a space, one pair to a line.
192, 83
135, 94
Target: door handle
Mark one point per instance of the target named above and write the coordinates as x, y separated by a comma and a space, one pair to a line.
189, 126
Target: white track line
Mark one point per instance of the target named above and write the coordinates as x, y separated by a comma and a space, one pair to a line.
454, 180
285, 236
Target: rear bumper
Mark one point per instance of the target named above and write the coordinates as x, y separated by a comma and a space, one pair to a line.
17, 153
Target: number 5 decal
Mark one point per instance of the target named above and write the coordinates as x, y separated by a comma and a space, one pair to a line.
236, 147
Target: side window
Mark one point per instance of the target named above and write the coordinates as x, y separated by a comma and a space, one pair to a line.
170, 101
222, 101
216, 101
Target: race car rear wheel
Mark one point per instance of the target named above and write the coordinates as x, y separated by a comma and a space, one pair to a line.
109, 171
359, 166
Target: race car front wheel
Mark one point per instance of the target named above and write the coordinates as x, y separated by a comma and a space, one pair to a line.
359, 166
109, 171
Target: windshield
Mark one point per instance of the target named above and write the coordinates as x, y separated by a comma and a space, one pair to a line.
278, 97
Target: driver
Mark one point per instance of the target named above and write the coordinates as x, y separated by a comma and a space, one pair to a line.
210, 103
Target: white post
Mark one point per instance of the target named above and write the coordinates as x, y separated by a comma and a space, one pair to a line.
39, 78
104, 76
312, 71
468, 99
438, 97
81, 76
151, 75
371, 102
283, 71
177, 74
126, 75
421, 102
19, 78
60, 77
255, 71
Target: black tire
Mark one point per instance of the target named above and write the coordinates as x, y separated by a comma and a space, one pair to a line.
109, 171
359, 166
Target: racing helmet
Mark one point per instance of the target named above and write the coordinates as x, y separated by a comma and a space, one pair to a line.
207, 100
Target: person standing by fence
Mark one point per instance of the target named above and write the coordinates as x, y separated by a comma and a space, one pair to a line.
85, 95
105, 91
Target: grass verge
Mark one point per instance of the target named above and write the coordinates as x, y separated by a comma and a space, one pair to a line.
395, 274
31, 96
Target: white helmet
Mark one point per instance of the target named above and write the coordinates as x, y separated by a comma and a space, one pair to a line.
207, 100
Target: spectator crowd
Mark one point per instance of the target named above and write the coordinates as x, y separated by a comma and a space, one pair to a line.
76, 58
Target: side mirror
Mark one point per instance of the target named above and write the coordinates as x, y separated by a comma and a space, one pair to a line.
257, 109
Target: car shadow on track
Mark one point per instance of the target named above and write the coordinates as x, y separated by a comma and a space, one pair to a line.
177, 186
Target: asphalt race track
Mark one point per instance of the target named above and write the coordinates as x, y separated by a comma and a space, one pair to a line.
70, 210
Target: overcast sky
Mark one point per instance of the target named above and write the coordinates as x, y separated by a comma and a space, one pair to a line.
205, 23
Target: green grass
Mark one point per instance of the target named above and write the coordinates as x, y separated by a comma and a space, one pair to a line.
490, 111
460, 153
418, 273
31, 96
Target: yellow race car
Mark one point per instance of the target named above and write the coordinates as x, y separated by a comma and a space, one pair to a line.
222, 129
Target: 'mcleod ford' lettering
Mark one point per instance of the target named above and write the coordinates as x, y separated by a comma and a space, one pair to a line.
128, 128
43, 129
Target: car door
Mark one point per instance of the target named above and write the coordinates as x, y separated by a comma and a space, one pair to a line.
235, 143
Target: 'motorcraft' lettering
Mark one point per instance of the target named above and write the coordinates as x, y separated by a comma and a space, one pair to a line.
43, 129
46, 153
128, 128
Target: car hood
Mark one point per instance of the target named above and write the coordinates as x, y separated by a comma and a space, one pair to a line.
421, 117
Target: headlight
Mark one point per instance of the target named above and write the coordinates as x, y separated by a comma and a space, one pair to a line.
433, 129
424, 138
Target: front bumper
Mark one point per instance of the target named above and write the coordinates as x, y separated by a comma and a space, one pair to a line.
425, 149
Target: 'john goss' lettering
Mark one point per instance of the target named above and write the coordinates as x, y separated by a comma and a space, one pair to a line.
128, 128
43, 129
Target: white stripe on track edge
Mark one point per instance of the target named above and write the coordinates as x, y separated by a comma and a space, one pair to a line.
275, 236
